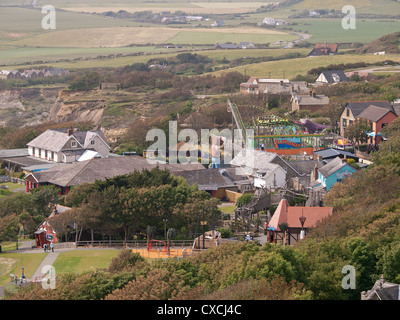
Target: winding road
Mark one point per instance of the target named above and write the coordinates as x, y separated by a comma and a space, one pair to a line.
303, 36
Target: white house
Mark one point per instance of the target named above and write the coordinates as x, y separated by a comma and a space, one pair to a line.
269, 21
271, 176
67, 145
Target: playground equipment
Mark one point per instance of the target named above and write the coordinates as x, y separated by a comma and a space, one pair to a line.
158, 249
157, 245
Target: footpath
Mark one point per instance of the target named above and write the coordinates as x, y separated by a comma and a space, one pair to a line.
26, 247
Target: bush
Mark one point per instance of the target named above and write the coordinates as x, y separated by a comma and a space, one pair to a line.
244, 199
125, 260
225, 232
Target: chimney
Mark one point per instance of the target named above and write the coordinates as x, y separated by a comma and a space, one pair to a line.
311, 93
314, 94
69, 132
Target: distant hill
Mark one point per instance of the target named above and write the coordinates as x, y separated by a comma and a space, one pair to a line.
389, 43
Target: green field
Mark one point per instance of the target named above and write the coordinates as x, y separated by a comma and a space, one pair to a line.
330, 30
300, 66
78, 261
80, 37
214, 37
13, 263
128, 60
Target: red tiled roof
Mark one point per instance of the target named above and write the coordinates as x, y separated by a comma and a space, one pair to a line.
331, 46
291, 215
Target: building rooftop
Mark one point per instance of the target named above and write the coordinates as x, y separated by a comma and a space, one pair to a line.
13, 153
333, 166
77, 173
55, 139
357, 107
373, 113
285, 213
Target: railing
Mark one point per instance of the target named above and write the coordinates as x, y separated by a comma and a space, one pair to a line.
131, 243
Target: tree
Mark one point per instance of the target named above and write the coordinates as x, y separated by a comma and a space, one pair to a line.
357, 132
9, 227
86, 81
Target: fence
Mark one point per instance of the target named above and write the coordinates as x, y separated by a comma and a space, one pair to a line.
131, 243
177, 248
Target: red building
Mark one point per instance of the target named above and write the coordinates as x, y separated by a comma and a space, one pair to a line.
45, 233
292, 216
378, 118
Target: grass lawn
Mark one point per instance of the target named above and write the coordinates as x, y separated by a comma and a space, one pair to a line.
228, 209
13, 263
78, 261
13, 186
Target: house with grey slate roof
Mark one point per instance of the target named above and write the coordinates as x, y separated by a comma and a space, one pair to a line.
68, 145
353, 109
333, 172
312, 102
76, 173
332, 153
382, 290
332, 77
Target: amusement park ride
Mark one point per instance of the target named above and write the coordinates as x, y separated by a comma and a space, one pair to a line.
281, 136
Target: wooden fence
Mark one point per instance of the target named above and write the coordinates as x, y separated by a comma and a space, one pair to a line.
131, 243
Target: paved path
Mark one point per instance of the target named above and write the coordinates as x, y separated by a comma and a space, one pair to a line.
26, 247
48, 260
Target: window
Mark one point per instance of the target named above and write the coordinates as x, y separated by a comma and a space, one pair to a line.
344, 123
92, 142
348, 112
73, 143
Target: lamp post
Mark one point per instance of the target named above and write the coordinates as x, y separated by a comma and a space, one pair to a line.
165, 228
302, 221
204, 223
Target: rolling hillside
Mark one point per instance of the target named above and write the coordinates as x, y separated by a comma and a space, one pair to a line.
389, 43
